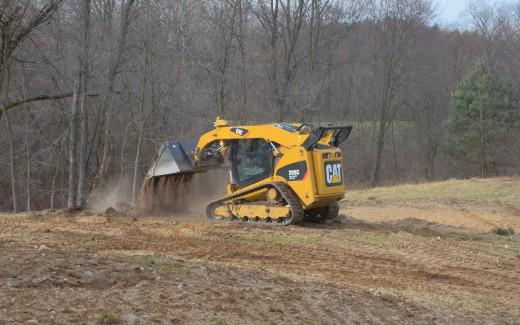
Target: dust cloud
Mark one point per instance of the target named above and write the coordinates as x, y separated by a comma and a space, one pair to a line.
177, 194
115, 194
183, 193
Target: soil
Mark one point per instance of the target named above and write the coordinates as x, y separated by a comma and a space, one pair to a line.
72, 267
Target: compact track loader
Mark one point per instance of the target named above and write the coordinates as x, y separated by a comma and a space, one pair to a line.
279, 173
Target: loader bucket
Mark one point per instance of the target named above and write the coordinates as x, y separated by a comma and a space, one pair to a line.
167, 184
174, 157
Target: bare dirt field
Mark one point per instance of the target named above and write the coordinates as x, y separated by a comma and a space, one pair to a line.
399, 260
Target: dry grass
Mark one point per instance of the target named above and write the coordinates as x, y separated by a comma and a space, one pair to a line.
496, 192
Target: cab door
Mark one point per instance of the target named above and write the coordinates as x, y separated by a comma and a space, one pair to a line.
251, 161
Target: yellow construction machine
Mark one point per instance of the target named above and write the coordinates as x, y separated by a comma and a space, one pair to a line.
280, 173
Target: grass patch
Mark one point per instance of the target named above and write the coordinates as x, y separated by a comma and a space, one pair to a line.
503, 231
502, 192
221, 322
293, 239
108, 317
163, 266
140, 259
51, 266
496, 249
88, 242
156, 264
378, 238
387, 297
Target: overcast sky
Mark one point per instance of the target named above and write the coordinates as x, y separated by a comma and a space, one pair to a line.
451, 10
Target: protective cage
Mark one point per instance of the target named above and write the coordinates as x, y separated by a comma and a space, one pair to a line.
251, 161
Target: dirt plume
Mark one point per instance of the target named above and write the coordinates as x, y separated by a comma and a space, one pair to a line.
115, 194
180, 193
165, 193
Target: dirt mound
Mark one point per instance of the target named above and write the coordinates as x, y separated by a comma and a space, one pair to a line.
413, 226
426, 228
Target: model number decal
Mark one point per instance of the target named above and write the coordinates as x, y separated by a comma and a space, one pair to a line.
294, 174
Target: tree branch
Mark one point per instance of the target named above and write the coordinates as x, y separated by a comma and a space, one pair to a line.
38, 98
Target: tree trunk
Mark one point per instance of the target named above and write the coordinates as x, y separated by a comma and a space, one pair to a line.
115, 62
73, 147
6, 83
28, 168
482, 139
141, 122
83, 114
376, 180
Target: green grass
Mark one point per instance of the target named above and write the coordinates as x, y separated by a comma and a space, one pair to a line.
502, 192
140, 259
107, 317
293, 239
496, 245
156, 263
221, 322
379, 239
51, 266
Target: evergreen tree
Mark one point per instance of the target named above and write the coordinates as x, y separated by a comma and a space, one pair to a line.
485, 110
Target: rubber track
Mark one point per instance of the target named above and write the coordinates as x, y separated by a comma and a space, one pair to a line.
332, 211
292, 200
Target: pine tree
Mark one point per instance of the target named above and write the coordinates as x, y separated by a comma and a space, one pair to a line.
484, 110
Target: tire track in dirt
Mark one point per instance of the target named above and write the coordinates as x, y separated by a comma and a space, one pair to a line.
419, 268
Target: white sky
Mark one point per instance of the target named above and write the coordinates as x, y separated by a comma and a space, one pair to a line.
449, 11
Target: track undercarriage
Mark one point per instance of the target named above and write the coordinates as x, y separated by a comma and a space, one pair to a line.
281, 207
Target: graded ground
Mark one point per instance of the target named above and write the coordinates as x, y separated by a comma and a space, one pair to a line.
412, 254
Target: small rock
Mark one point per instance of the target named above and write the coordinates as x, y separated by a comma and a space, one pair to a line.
43, 247
131, 319
88, 275
31, 322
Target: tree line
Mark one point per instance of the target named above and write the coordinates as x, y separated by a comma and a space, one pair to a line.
91, 88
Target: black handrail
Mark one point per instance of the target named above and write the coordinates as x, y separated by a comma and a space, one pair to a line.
341, 133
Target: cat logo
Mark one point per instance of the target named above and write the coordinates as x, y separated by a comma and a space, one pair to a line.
333, 173
239, 131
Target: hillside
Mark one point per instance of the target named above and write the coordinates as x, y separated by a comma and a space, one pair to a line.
414, 254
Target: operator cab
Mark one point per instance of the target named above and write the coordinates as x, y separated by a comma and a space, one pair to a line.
251, 161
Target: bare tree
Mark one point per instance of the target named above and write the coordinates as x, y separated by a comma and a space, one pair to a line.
114, 64
281, 22
395, 24
18, 19
83, 76
141, 118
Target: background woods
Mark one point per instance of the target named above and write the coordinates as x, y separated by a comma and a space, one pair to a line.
90, 88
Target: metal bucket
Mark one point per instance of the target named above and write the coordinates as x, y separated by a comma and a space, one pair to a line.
174, 157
